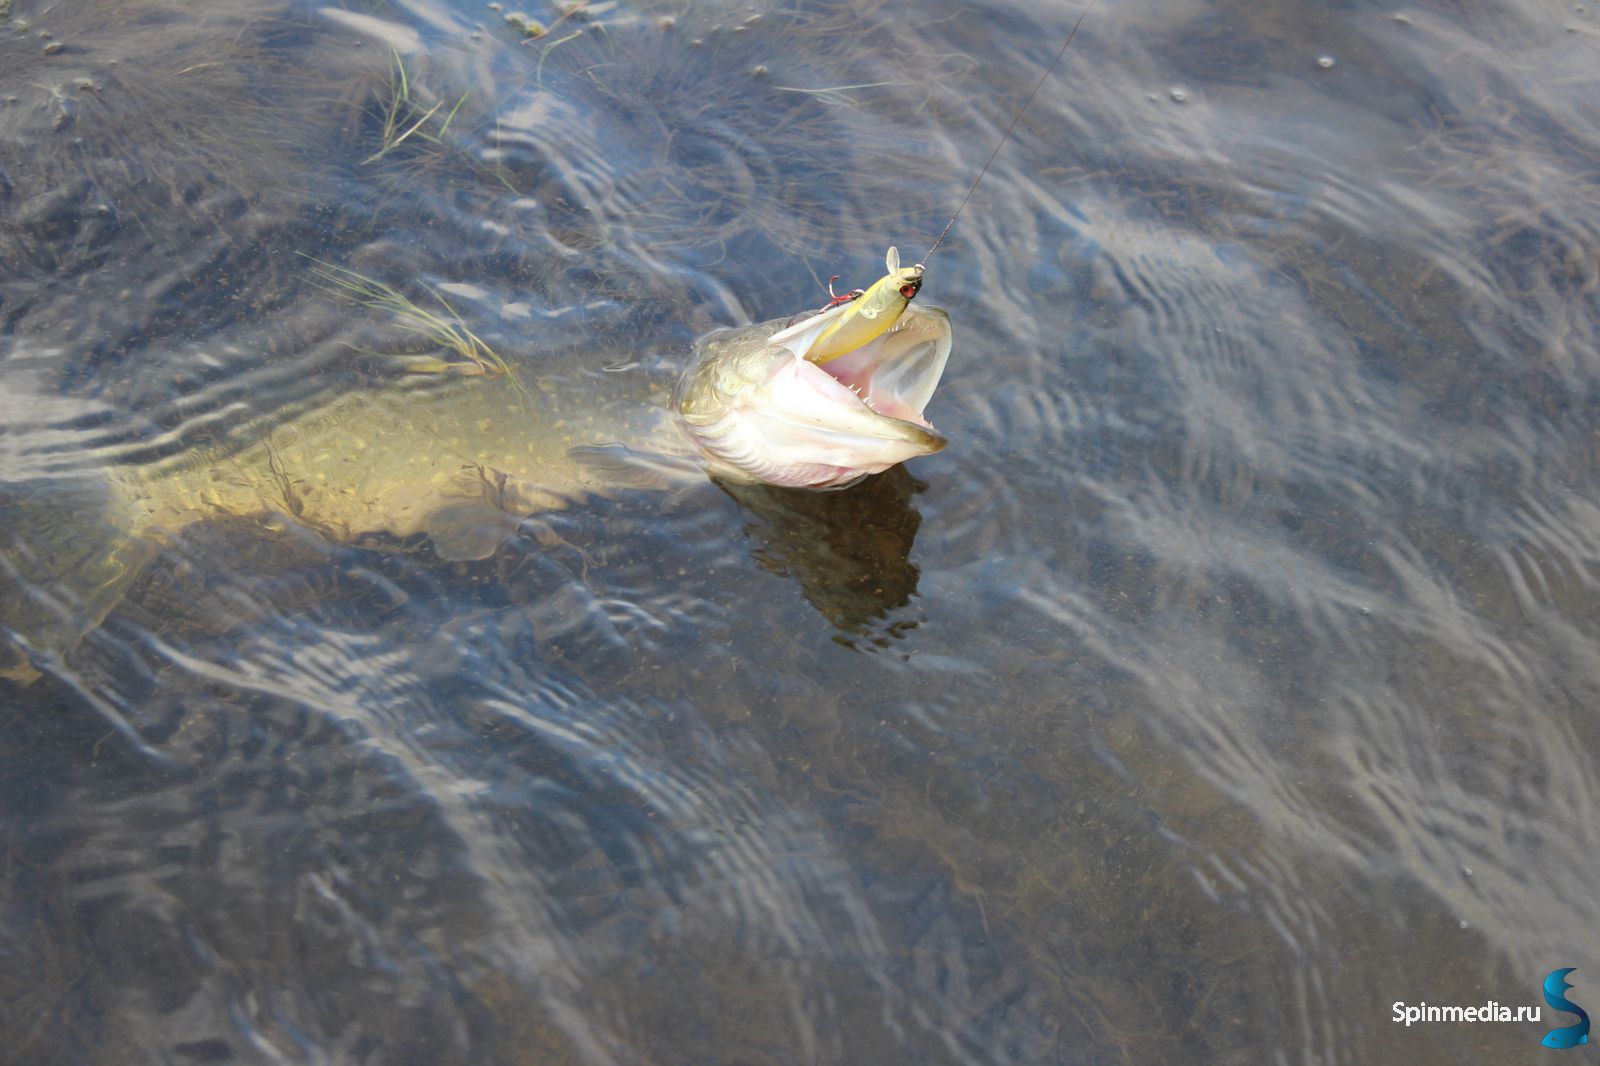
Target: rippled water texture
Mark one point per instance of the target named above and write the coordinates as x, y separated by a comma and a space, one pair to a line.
1231, 676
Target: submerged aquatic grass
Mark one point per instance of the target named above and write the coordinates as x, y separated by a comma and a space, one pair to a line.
443, 328
401, 117
405, 117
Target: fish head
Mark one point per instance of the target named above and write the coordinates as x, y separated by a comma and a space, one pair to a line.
761, 410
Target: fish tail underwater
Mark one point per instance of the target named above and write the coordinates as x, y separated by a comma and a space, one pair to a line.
461, 600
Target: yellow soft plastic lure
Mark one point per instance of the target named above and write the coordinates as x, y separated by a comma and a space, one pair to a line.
872, 313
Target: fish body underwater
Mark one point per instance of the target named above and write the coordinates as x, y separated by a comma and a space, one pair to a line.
446, 459
457, 460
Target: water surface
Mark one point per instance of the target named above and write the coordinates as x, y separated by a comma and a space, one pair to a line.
1230, 677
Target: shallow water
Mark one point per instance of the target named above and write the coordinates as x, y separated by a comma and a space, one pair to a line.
1230, 677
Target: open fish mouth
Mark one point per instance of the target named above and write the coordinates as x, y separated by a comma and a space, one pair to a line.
761, 410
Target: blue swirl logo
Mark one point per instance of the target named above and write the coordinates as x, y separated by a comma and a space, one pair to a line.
1555, 987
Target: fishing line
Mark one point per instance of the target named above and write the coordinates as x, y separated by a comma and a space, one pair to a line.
1007, 134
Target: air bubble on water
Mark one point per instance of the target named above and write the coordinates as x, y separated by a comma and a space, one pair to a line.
1179, 96
1327, 62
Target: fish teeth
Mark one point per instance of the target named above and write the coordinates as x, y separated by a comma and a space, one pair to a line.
864, 397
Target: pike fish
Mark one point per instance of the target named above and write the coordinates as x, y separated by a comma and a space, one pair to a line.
811, 402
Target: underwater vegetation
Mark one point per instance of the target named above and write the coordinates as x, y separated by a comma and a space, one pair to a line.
402, 117
442, 328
